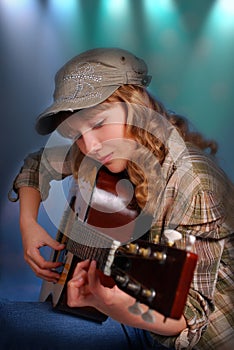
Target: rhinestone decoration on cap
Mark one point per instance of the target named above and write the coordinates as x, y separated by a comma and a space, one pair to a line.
80, 83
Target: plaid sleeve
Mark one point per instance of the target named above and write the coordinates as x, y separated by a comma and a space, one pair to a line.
28, 175
39, 169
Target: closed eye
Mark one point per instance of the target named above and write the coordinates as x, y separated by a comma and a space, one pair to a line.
98, 125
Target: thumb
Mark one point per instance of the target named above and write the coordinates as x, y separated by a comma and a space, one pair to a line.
55, 244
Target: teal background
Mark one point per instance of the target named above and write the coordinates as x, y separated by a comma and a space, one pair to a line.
189, 48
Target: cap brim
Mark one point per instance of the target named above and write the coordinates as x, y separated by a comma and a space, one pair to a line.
47, 121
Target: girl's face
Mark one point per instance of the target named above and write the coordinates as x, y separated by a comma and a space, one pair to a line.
103, 136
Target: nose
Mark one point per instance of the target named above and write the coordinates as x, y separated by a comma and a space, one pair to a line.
91, 143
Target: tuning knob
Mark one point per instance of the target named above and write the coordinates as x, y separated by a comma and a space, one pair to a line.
132, 248
145, 252
172, 236
160, 256
148, 293
135, 309
148, 316
190, 240
134, 287
123, 280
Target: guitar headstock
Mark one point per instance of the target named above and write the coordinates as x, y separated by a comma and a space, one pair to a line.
156, 275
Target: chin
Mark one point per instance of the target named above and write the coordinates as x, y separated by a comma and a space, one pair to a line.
115, 168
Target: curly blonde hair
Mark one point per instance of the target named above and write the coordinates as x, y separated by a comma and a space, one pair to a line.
150, 135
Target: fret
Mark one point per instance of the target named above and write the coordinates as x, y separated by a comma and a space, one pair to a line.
86, 234
86, 242
103, 256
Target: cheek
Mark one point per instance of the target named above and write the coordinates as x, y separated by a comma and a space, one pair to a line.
80, 145
113, 131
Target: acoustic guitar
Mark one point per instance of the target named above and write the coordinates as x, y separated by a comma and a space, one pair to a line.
156, 275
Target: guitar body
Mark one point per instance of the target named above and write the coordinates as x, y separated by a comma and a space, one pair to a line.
56, 293
98, 214
154, 274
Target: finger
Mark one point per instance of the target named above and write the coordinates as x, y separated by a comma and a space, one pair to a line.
44, 269
52, 243
72, 294
93, 277
56, 245
82, 275
39, 260
45, 274
82, 265
76, 282
74, 291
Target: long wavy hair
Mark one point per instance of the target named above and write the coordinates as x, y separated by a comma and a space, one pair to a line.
144, 128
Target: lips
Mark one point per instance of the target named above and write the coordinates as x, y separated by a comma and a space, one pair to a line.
105, 159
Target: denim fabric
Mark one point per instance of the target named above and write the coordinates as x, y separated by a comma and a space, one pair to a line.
36, 326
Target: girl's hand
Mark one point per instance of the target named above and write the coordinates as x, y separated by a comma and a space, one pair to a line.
86, 289
35, 237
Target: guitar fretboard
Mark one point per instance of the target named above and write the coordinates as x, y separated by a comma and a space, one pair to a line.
86, 242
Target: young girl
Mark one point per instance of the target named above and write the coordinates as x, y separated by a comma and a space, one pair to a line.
102, 104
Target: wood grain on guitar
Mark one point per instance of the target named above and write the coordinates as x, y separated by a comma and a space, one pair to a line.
157, 275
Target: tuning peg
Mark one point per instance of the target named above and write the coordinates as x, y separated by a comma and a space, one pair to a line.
172, 236
160, 256
190, 240
132, 248
134, 287
148, 293
148, 316
135, 308
145, 252
123, 280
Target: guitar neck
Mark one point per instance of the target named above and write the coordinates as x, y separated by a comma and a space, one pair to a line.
86, 242
158, 276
